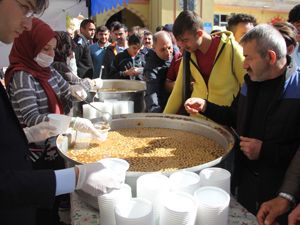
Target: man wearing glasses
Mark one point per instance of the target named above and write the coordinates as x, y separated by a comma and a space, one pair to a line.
23, 190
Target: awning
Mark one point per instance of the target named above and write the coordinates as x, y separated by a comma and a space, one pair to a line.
101, 6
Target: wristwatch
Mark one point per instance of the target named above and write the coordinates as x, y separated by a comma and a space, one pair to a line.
288, 197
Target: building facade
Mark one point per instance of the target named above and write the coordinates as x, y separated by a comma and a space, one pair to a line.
152, 13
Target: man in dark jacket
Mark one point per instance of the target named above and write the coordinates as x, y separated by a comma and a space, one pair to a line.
129, 64
265, 115
119, 32
82, 50
158, 61
22, 189
289, 195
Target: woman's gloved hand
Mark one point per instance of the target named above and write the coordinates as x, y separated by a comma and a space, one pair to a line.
39, 132
84, 125
78, 92
95, 179
96, 84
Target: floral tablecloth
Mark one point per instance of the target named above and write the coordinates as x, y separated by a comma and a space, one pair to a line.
82, 214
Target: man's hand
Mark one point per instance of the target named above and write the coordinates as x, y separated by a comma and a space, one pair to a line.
294, 216
251, 147
132, 72
270, 210
195, 105
96, 179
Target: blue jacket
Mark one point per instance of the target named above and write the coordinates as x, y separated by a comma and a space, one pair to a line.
275, 122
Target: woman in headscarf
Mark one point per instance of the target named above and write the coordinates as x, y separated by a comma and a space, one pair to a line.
65, 64
36, 90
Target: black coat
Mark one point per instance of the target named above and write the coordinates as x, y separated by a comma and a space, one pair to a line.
155, 73
22, 190
122, 62
109, 57
83, 58
276, 122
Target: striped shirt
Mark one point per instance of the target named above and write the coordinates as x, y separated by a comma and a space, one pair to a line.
29, 99
30, 103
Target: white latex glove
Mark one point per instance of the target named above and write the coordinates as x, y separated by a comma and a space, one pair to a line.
39, 132
84, 125
95, 179
96, 84
78, 92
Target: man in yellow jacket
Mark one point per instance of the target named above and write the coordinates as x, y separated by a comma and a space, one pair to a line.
216, 63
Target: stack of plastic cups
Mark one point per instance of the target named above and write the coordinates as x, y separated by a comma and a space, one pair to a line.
107, 203
90, 113
213, 206
153, 187
217, 177
184, 181
136, 211
178, 208
119, 166
123, 107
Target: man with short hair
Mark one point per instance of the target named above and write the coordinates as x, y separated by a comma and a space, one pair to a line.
265, 115
294, 18
239, 24
82, 50
216, 63
147, 39
120, 33
158, 61
129, 63
23, 189
98, 49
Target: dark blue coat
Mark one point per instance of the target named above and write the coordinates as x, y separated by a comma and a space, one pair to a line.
22, 190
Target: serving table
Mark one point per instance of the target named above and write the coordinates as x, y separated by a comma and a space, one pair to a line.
83, 214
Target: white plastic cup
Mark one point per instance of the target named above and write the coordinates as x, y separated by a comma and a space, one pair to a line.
153, 186
119, 166
185, 181
178, 208
108, 201
136, 211
213, 206
215, 176
61, 122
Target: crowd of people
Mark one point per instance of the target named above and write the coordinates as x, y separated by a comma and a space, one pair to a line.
245, 78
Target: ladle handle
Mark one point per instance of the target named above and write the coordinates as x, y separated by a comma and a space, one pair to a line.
101, 70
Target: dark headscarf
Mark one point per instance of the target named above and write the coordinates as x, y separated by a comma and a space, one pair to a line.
25, 48
64, 46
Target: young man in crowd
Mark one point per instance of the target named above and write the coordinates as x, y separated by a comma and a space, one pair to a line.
98, 49
216, 63
82, 50
129, 63
239, 24
294, 18
120, 33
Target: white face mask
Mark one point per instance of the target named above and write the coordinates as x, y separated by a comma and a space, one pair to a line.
44, 60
